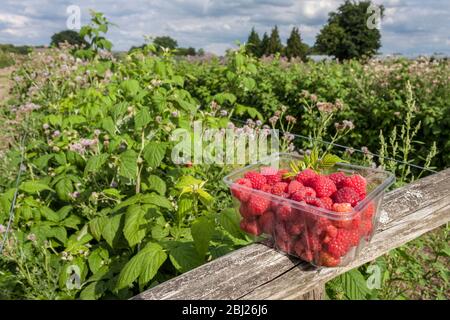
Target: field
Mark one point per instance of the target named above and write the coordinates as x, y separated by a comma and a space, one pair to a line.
100, 198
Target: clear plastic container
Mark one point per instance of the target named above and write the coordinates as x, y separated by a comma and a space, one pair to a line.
309, 232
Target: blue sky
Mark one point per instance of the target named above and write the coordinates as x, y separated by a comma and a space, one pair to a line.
410, 26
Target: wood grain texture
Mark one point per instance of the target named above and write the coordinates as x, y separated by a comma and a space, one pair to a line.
259, 272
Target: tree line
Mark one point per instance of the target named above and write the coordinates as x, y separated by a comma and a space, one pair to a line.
346, 35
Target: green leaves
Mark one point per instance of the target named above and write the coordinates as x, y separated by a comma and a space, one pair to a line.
95, 163
184, 256
154, 153
142, 118
128, 164
34, 187
202, 230
355, 285
144, 264
157, 184
130, 87
111, 230
135, 229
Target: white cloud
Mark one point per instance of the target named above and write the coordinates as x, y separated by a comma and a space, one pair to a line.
410, 26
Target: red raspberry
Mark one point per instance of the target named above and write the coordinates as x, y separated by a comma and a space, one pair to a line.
315, 202
301, 194
312, 242
353, 236
271, 180
337, 177
285, 246
285, 212
240, 193
305, 175
302, 252
266, 222
330, 233
243, 210
324, 187
328, 202
357, 182
250, 226
279, 188
320, 225
266, 188
366, 228
282, 172
346, 194
339, 246
268, 171
281, 232
369, 211
294, 186
295, 228
327, 260
257, 204
257, 179
342, 207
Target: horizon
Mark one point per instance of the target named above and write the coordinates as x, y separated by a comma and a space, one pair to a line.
410, 28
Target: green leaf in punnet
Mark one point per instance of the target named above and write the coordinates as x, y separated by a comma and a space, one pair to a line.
144, 264
154, 153
202, 230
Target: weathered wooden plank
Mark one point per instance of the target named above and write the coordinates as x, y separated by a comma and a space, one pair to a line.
259, 272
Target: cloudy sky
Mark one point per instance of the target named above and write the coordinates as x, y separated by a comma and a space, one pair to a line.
409, 27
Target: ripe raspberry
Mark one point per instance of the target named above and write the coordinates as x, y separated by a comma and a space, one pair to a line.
369, 211
302, 252
366, 228
315, 202
320, 225
356, 182
353, 236
282, 172
330, 233
279, 188
312, 242
285, 246
337, 177
342, 207
268, 171
243, 210
257, 179
272, 179
324, 187
294, 186
305, 175
328, 202
285, 212
280, 232
266, 222
327, 260
346, 194
339, 246
266, 188
250, 226
238, 192
295, 228
301, 194
257, 204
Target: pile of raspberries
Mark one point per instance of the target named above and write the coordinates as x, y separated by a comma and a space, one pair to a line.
320, 240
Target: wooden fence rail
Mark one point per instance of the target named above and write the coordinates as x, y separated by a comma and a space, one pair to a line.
259, 272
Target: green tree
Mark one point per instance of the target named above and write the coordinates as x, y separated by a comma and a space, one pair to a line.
274, 46
254, 44
346, 34
264, 45
295, 47
70, 36
165, 42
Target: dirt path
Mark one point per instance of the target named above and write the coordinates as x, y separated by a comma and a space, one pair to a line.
5, 82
